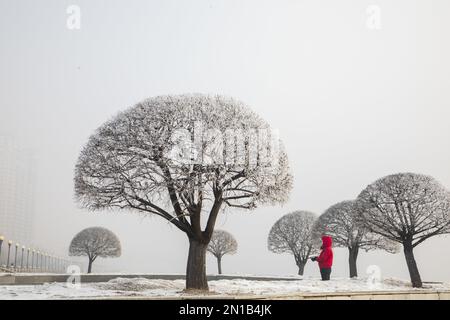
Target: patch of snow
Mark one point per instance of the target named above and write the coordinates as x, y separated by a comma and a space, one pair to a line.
140, 284
142, 287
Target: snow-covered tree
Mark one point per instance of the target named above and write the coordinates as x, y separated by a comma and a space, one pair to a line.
341, 222
293, 234
95, 242
222, 243
184, 158
406, 208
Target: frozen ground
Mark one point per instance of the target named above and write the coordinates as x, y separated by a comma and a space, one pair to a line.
140, 287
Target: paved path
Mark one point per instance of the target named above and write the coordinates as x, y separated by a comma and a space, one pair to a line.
380, 295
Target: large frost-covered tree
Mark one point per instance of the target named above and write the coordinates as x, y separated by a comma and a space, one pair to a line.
95, 242
293, 234
341, 222
222, 243
184, 158
407, 208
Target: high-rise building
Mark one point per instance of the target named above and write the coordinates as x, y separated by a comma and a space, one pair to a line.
17, 191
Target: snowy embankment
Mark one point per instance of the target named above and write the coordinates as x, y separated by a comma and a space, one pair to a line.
140, 287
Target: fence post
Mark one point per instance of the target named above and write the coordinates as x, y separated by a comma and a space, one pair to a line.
28, 259
9, 253
21, 259
1, 244
15, 256
38, 261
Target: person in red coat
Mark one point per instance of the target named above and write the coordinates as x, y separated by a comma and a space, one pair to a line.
325, 259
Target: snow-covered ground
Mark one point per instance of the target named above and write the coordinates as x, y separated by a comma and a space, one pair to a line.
141, 287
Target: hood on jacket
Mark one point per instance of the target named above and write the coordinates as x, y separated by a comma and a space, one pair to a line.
327, 241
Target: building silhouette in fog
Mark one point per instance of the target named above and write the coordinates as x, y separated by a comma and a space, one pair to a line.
17, 192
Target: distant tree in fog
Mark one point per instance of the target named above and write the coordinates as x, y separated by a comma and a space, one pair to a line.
222, 243
293, 233
407, 208
95, 242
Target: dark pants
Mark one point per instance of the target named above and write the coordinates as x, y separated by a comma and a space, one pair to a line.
325, 273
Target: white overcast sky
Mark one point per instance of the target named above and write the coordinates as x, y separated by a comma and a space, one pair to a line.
351, 104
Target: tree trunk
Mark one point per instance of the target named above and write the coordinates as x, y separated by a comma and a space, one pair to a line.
301, 268
196, 266
352, 257
89, 266
219, 265
412, 266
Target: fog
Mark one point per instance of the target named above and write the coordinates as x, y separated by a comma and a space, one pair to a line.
351, 104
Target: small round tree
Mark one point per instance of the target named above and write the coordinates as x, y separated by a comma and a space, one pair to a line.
222, 243
95, 242
407, 208
340, 221
293, 233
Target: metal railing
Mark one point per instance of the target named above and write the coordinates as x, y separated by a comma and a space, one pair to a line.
15, 257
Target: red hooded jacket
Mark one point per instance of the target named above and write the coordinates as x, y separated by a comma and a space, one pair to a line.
325, 259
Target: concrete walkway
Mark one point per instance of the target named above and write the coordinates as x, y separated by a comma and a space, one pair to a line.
373, 295
377, 295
